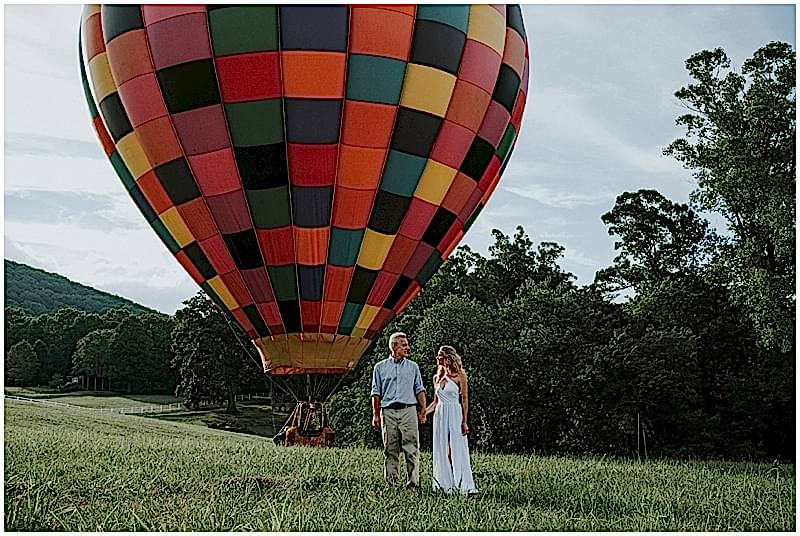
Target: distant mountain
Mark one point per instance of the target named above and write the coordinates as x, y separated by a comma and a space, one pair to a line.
39, 292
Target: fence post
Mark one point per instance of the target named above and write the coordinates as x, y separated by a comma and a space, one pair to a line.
638, 437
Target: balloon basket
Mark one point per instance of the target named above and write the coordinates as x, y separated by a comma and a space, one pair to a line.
307, 426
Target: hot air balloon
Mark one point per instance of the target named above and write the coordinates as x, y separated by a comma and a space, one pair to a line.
310, 167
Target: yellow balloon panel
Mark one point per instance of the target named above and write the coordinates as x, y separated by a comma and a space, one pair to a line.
488, 26
100, 75
435, 181
374, 249
222, 291
177, 227
427, 89
133, 155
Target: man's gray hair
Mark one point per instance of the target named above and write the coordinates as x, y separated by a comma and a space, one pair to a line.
394, 337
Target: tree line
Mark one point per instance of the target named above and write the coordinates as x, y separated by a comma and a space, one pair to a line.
682, 347
118, 350
194, 354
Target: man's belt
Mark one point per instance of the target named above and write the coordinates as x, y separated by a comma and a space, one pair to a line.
399, 405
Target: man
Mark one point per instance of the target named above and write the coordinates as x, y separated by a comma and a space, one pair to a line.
398, 404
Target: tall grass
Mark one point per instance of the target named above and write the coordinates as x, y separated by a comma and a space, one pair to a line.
76, 470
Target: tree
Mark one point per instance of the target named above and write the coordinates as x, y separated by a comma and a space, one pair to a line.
17, 326
456, 276
92, 356
652, 372
659, 239
42, 355
160, 375
60, 332
564, 394
556, 368
473, 330
740, 145
22, 366
131, 347
512, 262
210, 360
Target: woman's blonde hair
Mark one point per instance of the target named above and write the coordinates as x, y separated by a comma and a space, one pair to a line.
452, 360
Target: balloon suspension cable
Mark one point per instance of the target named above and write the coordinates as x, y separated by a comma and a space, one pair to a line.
284, 387
244, 347
332, 391
257, 361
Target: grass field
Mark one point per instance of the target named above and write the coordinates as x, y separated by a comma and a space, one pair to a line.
76, 470
254, 416
93, 399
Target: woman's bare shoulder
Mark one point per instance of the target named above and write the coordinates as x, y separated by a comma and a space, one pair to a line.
459, 378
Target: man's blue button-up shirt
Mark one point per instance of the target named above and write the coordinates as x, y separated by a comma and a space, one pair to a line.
396, 381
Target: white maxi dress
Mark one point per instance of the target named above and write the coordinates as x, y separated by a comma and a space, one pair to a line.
451, 473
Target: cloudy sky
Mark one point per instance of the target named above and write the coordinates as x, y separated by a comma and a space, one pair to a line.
600, 109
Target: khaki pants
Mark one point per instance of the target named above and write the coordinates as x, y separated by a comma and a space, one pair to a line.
400, 433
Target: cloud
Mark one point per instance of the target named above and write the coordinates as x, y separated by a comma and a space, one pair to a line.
43, 93
34, 41
576, 123
92, 211
559, 198
60, 174
23, 143
131, 263
537, 164
575, 257
164, 299
18, 252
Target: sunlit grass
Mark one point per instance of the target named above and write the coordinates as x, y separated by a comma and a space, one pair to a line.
71, 469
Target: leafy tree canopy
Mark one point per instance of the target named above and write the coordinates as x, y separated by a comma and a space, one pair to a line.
659, 239
212, 363
740, 145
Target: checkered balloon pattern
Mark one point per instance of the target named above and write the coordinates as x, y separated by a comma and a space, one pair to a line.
310, 167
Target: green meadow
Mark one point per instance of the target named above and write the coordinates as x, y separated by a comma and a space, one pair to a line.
93, 399
73, 469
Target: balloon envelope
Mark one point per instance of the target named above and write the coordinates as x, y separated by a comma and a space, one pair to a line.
310, 167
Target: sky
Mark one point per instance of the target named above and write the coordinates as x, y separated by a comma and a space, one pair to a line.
600, 109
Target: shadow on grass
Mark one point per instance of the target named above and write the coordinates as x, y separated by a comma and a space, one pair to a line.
325, 483
252, 419
722, 468
15, 489
257, 484
505, 488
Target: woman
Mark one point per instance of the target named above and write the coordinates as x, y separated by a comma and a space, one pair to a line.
451, 467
